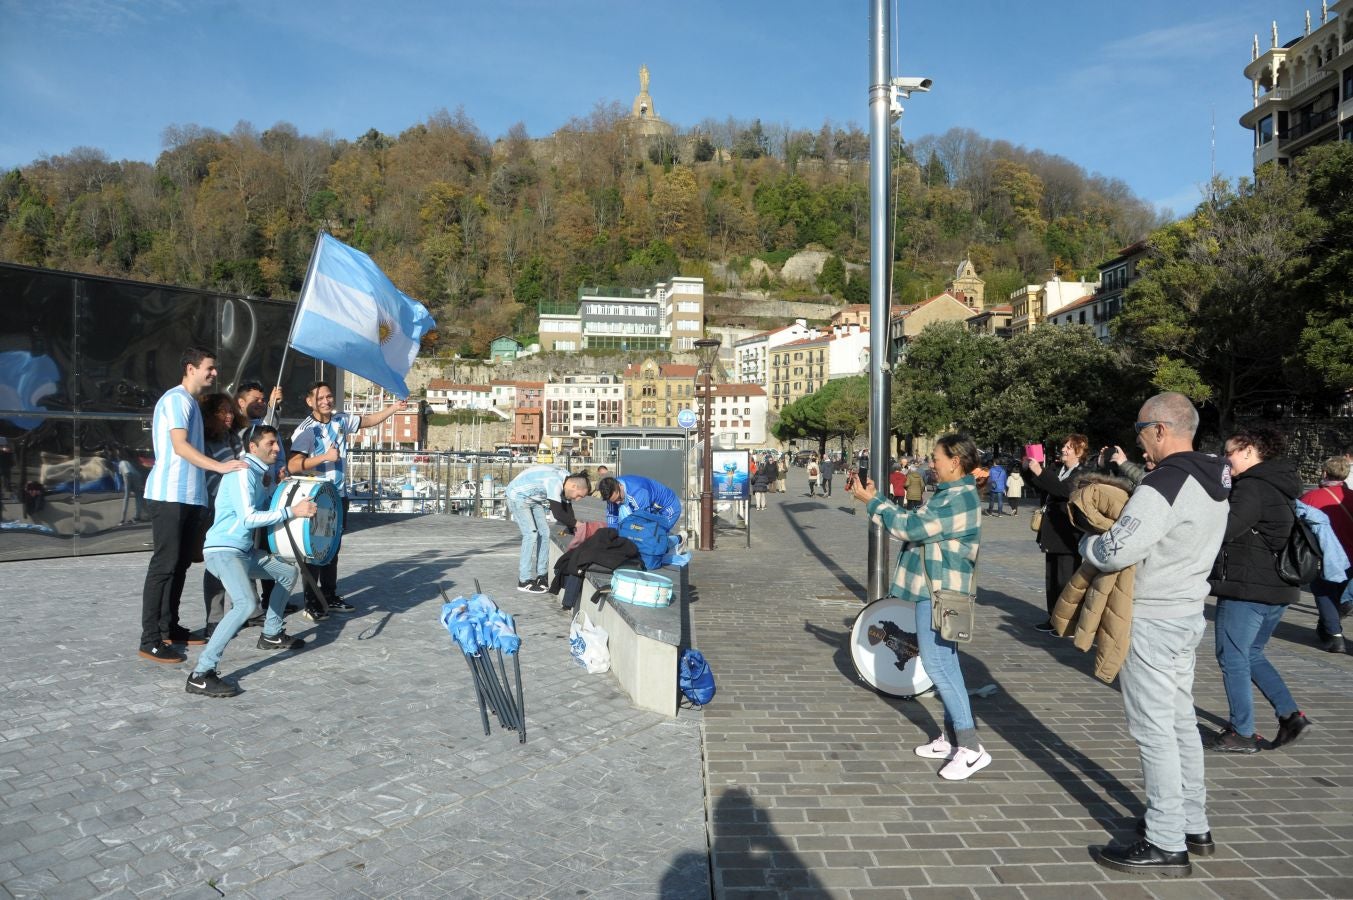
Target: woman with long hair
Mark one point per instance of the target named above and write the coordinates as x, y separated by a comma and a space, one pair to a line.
221, 442
1251, 597
941, 552
1057, 537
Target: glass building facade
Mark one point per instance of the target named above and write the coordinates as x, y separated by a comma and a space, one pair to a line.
83, 360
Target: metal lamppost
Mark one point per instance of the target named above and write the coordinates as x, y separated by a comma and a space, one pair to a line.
708, 349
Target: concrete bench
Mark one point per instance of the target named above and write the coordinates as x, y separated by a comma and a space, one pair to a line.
645, 642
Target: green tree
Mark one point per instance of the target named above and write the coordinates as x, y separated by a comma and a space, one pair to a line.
840, 408
832, 278
1052, 381
1214, 313
941, 379
1327, 286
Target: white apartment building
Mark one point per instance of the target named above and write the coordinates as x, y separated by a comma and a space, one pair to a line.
444, 396
668, 316
1032, 304
578, 404
739, 412
751, 355
1303, 89
847, 352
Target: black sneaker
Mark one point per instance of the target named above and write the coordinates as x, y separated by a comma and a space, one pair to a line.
1230, 742
254, 621
336, 605
543, 582
279, 641
209, 684
1202, 844
181, 635
1334, 643
162, 653
313, 614
1290, 728
1145, 856
526, 587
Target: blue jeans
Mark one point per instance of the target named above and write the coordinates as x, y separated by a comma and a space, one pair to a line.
1157, 686
535, 539
939, 658
1243, 628
996, 501
235, 568
1328, 595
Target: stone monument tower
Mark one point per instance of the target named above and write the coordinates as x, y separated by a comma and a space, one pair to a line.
644, 119
973, 288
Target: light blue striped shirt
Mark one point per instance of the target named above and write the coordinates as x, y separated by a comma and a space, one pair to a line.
313, 438
173, 479
538, 485
241, 506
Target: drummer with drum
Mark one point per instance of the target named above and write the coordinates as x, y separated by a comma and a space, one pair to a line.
319, 448
242, 502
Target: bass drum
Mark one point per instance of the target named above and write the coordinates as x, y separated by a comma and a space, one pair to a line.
316, 538
883, 648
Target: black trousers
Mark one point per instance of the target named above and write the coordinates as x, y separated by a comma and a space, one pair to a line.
1057, 571
175, 529
826, 484
326, 575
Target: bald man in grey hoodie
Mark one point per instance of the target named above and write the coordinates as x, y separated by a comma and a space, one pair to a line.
1171, 530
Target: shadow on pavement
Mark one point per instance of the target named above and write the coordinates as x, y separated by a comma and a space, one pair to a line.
844, 577
748, 858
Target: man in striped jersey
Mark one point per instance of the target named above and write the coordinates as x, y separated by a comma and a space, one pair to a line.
319, 449
176, 492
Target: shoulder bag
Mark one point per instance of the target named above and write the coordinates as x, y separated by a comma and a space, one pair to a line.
953, 614
1036, 519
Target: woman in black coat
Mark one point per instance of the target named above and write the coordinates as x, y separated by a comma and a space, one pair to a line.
1057, 537
1251, 597
763, 480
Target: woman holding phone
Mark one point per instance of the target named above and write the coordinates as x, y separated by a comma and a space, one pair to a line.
1057, 537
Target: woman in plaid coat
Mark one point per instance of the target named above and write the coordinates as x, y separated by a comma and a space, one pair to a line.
941, 550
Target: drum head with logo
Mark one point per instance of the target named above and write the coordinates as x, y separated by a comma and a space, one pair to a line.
883, 648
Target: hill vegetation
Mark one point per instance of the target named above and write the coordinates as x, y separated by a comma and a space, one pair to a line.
481, 231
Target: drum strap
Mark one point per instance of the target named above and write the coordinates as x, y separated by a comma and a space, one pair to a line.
299, 557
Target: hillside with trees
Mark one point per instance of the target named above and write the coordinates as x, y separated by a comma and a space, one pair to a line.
481, 231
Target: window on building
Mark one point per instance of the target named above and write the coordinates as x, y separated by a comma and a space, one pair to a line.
1264, 130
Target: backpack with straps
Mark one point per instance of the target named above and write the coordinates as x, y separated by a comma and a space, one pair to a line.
1299, 560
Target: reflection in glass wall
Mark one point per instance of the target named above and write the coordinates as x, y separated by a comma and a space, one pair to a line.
83, 361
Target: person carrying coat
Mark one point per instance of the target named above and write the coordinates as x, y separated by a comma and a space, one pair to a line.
1057, 538
1251, 597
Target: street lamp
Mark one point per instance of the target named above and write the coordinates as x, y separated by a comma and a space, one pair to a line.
708, 348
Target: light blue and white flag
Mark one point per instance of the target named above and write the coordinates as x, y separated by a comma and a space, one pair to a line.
351, 315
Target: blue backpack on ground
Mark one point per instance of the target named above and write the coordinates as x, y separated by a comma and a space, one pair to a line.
649, 533
694, 677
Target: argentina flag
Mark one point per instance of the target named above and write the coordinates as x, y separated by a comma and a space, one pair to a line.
351, 315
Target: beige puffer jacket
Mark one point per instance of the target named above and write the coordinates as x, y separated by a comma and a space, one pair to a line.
1099, 603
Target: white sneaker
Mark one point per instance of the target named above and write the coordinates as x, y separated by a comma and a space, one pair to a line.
936, 749
965, 763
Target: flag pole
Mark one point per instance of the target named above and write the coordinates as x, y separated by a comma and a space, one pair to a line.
271, 417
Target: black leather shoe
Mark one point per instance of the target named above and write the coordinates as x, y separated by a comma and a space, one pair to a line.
1202, 844
1290, 728
1145, 856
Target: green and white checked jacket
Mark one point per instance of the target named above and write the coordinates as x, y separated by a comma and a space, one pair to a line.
945, 533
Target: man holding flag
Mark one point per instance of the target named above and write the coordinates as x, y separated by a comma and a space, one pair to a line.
351, 315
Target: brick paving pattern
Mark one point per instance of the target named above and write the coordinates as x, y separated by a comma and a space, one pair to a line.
358, 768
814, 790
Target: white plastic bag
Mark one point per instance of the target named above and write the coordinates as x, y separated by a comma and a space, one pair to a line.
588, 644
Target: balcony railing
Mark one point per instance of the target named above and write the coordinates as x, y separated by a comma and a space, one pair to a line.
558, 307
1286, 93
1305, 128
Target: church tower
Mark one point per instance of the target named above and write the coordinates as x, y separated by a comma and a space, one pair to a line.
972, 287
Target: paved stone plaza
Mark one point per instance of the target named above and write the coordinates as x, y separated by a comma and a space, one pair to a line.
358, 767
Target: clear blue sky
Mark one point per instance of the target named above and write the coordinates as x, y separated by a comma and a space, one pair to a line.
1126, 90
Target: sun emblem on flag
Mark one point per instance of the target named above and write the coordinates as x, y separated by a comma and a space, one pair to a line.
385, 329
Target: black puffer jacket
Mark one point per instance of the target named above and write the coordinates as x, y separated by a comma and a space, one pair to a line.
1056, 534
1257, 527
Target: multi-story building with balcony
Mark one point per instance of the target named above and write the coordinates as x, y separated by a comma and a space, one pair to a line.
797, 369
580, 404
751, 355
1303, 89
1031, 305
668, 316
444, 396
655, 394
1098, 309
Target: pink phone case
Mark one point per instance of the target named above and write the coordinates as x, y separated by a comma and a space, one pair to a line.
1034, 451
